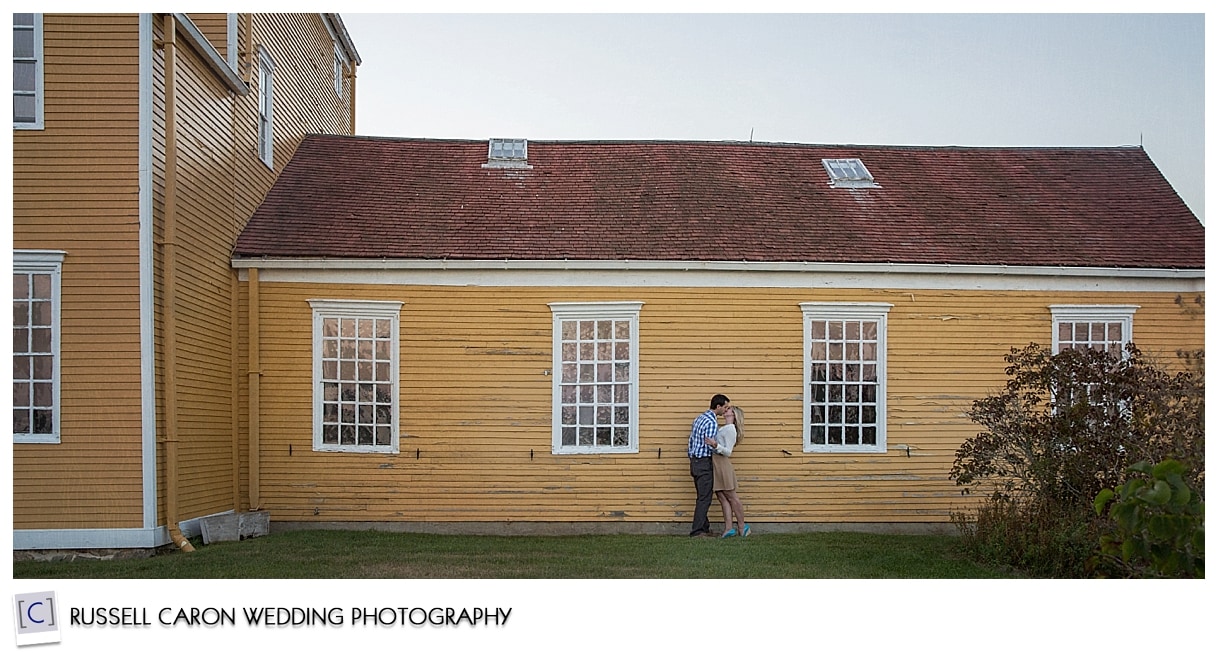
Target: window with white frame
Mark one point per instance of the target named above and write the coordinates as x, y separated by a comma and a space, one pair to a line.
36, 408
508, 153
596, 380
845, 376
266, 108
1102, 327
338, 72
848, 173
27, 71
1082, 327
355, 375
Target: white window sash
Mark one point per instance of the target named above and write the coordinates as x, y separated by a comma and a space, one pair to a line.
46, 262
618, 311
38, 94
266, 108
862, 311
1074, 313
356, 309
338, 72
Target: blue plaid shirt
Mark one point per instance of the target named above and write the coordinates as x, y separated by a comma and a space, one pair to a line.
705, 426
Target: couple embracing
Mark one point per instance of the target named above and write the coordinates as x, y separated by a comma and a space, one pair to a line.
710, 447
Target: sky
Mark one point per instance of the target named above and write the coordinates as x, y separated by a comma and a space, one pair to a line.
866, 79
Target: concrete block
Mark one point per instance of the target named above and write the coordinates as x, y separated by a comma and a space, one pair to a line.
232, 527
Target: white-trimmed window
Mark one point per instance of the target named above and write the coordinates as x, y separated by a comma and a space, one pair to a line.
266, 108
1084, 326
355, 375
27, 71
338, 72
845, 376
36, 407
507, 153
848, 173
596, 379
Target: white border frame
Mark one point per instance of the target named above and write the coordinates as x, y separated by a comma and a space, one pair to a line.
877, 311
350, 308
593, 311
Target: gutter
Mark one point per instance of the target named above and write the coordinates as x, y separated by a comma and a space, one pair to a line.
322, 263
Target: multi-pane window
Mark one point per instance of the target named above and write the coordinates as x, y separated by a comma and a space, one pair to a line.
596, 377
355, 375
507, 153
845, 376
848, 173
509, 148
266, 105
338, 72
27, 71
36, 346
1106, 328
1103, 327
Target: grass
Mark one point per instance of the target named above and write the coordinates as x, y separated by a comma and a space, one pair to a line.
376, 554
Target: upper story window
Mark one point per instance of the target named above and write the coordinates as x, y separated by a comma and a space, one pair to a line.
507, 153
36, 408
848, 173
596, 386
1103, 327
355, 375
338, 72
27, 71
845, 377
266, 108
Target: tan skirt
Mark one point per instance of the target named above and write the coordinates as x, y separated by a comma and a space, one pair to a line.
725, 474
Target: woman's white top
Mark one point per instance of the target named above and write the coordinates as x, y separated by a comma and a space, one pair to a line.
726, 437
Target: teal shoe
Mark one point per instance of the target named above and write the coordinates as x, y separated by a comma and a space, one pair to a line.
730, 533
747, 529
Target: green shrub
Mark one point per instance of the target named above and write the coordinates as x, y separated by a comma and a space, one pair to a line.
1158, 525
1036, 538
1065, 427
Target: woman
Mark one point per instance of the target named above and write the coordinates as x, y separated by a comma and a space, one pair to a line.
725, 475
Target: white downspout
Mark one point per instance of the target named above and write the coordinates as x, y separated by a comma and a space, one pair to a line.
147, 299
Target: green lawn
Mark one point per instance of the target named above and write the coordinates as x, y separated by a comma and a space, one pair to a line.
374, 554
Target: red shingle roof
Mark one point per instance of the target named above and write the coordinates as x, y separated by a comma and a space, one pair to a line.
362, 197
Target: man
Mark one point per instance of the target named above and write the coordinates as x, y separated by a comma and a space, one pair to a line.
705, 426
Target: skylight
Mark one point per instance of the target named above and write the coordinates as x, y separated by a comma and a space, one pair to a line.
507, 153
848, 173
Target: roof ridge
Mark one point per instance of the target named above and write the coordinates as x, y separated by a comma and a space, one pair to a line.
695, 142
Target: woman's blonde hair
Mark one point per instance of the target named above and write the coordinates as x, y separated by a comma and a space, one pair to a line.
739, 424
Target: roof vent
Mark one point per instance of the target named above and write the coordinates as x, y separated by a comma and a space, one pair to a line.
507, 153
848, 173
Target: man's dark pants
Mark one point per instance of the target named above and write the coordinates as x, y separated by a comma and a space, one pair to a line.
704, 482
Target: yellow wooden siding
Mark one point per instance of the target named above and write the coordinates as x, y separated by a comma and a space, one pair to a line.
75, 188
305, 101
476, 436
215, 28
220, 183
